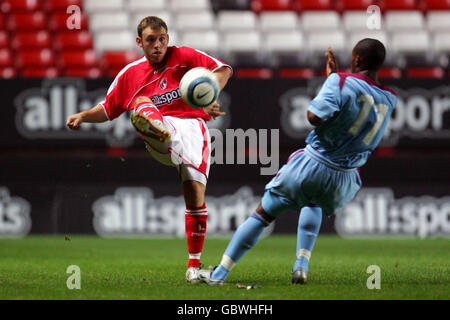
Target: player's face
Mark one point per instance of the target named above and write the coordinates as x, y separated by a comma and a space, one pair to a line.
154, 43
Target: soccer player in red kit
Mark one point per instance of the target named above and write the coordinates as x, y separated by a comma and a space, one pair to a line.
174, 133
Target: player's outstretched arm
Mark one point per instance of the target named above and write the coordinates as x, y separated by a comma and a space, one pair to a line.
223, 75
332, 65
95, 114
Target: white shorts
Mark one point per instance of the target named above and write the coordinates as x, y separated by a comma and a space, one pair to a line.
189, 149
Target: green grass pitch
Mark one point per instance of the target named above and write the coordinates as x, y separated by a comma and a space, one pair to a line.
35, 268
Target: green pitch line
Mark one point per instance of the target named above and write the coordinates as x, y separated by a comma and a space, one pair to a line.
35, 268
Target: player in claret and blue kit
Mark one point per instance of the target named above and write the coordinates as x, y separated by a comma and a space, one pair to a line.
350, 115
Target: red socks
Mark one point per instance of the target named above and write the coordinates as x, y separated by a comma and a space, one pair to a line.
195, 220
149, 109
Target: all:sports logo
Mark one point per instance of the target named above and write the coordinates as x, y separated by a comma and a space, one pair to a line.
14, 215
42, 113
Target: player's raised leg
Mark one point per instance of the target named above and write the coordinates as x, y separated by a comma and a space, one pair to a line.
148, 121
195, 221
309, 223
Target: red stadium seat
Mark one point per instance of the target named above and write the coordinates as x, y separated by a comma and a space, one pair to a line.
2, 21
4, 40
118, 59
6, 58
397, 5
83, 72
31, 40
61, 5
111, 72
15, 6
271, 5
35, 58
58, 22
426, 72
27, 21
346, 5
261, 73
8, 72
114, 61
392, 73
40, 72
303, 73
434, 5
73, 40
77, 59
302, 5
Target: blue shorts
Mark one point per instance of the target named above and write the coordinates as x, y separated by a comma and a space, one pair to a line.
305, 181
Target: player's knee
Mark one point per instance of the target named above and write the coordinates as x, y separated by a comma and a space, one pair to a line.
264, 214
141, 99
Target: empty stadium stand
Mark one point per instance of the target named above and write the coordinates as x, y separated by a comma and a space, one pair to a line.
37, 38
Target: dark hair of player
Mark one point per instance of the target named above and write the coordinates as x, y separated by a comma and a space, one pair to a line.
371, 52
155, 23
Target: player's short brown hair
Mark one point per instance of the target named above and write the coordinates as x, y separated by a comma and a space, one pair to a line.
155, 23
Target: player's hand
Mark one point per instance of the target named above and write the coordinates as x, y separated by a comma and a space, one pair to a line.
331, 62
214, 110
74, 121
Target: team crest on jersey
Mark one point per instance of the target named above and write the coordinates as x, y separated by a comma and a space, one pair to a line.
163, 83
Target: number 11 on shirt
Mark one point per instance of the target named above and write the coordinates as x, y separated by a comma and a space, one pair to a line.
380, 111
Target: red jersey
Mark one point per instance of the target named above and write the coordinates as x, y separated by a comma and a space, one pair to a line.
159, 83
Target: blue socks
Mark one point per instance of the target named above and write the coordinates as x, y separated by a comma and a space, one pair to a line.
309, 224
248, 234
245, 237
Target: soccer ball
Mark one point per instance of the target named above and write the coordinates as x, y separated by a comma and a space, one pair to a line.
199, 87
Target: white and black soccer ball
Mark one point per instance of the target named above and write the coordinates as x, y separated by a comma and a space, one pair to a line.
199, 87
